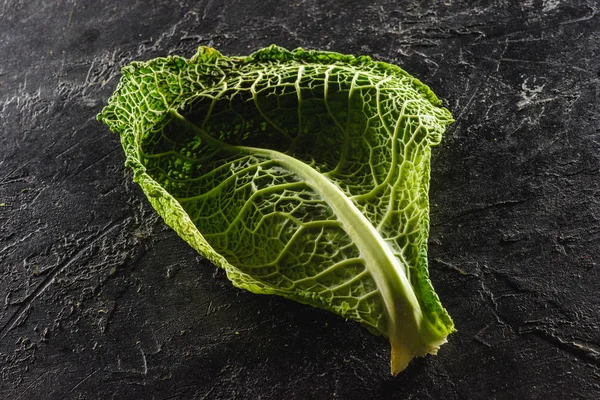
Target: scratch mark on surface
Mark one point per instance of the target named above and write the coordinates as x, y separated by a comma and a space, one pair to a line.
529, 94
88, 376
71, 15
582, 19
482, 207
6, 177
72, 134
191, 310
4, 251
74, 145
548, 63
584, 353
144, 361
206, 8
94, 163
33, 384
207, 394
40, 10
478, 339
481, 82
26, 303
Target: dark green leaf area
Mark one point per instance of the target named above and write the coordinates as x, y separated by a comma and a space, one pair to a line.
255, 213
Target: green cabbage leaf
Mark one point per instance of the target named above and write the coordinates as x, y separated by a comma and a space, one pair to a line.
303, 174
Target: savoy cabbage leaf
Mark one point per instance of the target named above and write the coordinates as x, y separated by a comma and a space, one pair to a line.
302, 173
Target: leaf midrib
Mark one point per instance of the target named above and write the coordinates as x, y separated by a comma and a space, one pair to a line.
388, 272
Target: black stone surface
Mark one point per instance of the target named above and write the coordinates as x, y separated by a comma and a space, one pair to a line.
99, 299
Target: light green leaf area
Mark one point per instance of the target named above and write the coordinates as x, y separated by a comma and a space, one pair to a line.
302, 173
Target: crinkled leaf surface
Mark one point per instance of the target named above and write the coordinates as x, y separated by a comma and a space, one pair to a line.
302, 173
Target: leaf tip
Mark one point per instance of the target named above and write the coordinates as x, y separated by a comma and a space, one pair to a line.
410, 344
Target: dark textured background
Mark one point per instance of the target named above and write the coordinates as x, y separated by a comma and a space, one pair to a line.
99, 299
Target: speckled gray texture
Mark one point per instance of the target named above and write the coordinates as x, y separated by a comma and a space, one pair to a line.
98, 299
